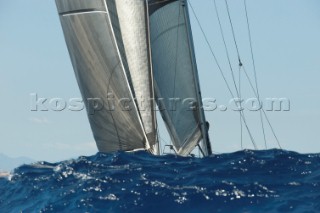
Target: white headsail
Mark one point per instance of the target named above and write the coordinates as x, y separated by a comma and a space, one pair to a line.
176, 76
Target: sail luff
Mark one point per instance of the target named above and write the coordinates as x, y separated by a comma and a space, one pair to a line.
206, 145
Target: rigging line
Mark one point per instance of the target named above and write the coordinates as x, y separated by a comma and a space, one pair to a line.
271, 127
251, 48
221, 72
264, 112
240, 96
263, 129
248, 130
225, 45
211, 50
260, 103
113, 120
233, 33
231, 70
199, 147
240, 64
254, 69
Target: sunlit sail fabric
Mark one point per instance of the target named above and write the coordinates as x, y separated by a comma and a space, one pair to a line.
113, 69
175, 73
134, 34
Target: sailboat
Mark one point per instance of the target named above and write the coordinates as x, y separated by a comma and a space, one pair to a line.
132, 58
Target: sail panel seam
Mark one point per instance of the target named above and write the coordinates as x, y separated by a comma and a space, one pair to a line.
83, 11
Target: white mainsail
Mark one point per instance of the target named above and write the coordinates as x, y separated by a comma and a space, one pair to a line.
110, 43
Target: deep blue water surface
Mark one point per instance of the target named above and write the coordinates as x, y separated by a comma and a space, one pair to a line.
247, 181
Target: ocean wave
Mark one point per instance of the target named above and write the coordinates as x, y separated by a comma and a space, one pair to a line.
244, 181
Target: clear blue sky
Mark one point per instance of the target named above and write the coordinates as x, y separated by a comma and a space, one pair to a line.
34, 59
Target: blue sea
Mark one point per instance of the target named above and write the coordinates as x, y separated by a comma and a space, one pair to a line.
245, 181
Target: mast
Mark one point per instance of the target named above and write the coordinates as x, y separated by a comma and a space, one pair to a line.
206, 145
